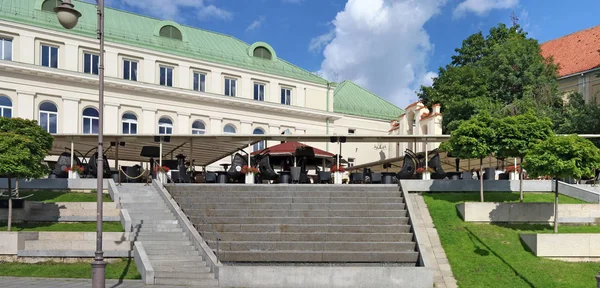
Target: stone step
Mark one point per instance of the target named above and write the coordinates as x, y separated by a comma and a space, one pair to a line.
154, 222
167, 242
196, 282
159, 229
301, 213
154, 236
208, 200
318, 256
159, 205
167, 251
170, 264
330, 237
190, 257
294, 194
184, 275
294, 206
268, 187
306, 228
156, 225
312, 246
303, 220
173, 245
145, 210
188, 269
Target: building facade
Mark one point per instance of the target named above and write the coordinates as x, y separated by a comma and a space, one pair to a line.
165, 78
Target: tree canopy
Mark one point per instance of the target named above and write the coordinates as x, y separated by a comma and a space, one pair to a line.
503, 73
517, 134
473, 138
563, 157
23, 146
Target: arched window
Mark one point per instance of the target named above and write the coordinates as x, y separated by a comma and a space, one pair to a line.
90, 121
198, 128
169, 31
165, 126
129, 123
286, 132
262, 52
229, 129
5, 107
49, 5
48, 117
260, 145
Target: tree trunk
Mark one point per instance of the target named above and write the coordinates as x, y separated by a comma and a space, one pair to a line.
481, 179
556, 206
9, 203
520, 181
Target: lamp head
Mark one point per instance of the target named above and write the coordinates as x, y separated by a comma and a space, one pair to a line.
67, 15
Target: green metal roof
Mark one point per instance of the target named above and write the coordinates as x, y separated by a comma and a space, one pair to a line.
351, 99
141, 31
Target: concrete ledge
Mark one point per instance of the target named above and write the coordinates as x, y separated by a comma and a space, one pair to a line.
62, 212
143, 263
72, 253
55, 184
423, 253
473, 185
324, 276
125, 220
9, 243
575, 245
583, 192
528, 212
186, 225
114, 193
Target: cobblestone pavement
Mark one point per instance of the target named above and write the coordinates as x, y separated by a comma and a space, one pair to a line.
442, 273
9, 282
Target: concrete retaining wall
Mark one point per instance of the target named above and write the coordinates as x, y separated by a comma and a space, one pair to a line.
586, 193
473, 185
143, 263
578, 245
528, 212
43, 243
61, 212
324, 276
56, 184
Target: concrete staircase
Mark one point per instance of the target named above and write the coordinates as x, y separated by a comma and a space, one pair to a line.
303, 223
173, 257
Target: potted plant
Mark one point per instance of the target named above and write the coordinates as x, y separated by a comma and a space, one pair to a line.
513, 172
75, 171
425, 173
250, 171
338, 172
161, 173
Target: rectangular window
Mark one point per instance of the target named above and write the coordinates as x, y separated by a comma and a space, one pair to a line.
259, 91
5, 49
49, 57
199, 82
350, 162
90, 63
130, 70
230, 87
286, 96
166, 76
351, 131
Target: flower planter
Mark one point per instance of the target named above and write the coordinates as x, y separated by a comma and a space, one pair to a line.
73, 175
426, 176
514, 175
337, 177
250, 178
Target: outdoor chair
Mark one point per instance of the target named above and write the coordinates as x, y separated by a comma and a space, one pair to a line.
376, 178
210, 177
356, 178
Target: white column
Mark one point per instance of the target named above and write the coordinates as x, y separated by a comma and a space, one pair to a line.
150, 70
26, 49
215, 126
149, 121
183, 123
70, 62
111, 118
70, 116
184, 77
25, 105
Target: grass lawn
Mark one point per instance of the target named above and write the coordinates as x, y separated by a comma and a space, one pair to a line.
63, 227
63, 196
488, 255
124, 269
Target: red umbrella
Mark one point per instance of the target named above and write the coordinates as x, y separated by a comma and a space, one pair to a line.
289, 149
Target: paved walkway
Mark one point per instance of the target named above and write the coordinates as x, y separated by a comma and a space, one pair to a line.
430, 241
69, 283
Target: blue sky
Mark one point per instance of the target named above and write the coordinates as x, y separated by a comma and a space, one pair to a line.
390, 47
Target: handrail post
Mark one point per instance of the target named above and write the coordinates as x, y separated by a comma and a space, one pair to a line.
119, 175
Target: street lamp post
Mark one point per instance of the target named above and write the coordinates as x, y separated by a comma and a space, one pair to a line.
68, 17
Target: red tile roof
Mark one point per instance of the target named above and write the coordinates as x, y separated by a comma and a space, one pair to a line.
575, 52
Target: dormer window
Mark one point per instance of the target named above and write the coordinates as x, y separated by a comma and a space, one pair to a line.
169, 31
262, 52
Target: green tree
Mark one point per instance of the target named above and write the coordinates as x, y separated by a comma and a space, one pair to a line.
23, 146
517, 134
580, 117
503, 73
562, 157
474, 138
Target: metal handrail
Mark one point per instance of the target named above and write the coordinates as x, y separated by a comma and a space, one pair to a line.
199, 215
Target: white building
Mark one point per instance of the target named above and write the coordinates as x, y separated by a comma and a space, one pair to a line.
166, 78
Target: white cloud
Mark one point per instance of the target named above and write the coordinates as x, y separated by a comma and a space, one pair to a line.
381, 45
173, 9
256, 23
427, 79
317, 43
481, 7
